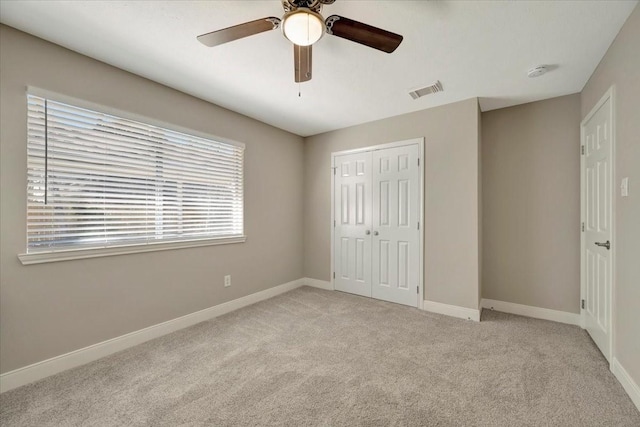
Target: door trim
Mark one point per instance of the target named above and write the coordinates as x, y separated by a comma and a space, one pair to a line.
420, 143
609, 95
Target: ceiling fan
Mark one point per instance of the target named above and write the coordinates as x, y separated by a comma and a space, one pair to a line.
303, 25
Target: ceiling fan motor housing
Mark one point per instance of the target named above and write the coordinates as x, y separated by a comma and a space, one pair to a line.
315, 5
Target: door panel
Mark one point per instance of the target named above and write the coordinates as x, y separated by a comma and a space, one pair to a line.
353, 207
597, 210
360, 261
396, 186
383, 263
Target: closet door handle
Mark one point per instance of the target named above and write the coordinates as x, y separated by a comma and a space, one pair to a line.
375, 233
367, 232
607, 244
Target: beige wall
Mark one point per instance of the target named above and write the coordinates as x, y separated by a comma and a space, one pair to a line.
50, 309
451, 195
531, 204
621, 67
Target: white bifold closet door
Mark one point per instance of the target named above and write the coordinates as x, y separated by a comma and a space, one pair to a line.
353, 222
395, 262
377, 196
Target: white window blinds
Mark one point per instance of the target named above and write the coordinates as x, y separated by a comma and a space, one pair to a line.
96, 180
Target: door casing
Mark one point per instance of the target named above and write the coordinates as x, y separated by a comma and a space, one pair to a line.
420, 143
609, 95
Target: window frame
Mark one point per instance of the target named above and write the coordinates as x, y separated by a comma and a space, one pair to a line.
65, 254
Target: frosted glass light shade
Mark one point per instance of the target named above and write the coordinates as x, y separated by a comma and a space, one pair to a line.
303, 27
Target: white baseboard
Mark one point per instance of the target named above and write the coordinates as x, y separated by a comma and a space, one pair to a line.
45, 368
530, 311
315, 283
432, 306
452, 310
630, 386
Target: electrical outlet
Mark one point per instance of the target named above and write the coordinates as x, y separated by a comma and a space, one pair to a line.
227, 280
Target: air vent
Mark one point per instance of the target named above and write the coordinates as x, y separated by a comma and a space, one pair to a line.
428, 90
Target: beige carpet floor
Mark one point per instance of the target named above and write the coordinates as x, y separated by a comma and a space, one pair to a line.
314, 357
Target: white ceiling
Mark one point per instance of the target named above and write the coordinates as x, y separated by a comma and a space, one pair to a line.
475, 48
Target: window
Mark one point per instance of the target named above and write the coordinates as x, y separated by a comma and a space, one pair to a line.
100, 181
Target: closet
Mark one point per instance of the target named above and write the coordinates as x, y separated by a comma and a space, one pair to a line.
377, 210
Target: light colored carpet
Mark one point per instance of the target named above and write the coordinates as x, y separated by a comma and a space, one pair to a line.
314, 357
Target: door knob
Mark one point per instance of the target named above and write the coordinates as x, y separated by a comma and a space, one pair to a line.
604, 245
367, 232
375, 233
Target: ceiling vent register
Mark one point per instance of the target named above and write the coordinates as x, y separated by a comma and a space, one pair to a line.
428, 90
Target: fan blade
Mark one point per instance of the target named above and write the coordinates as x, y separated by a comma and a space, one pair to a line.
236, 32
367, 35
302, 63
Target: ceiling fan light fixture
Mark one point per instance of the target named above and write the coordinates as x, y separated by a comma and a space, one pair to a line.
303, 26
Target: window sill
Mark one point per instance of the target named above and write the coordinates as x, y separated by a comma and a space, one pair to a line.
71, 254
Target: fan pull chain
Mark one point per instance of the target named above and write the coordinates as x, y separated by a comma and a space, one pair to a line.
299, 95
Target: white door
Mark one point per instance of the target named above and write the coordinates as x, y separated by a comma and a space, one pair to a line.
396, 211
352, 237
597, 184
376, 235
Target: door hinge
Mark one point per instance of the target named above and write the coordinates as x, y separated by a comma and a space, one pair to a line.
583, 226
418, 162
417, 289
334, 222
582, 304
582, 149
334, 170
418, 225
334, 274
